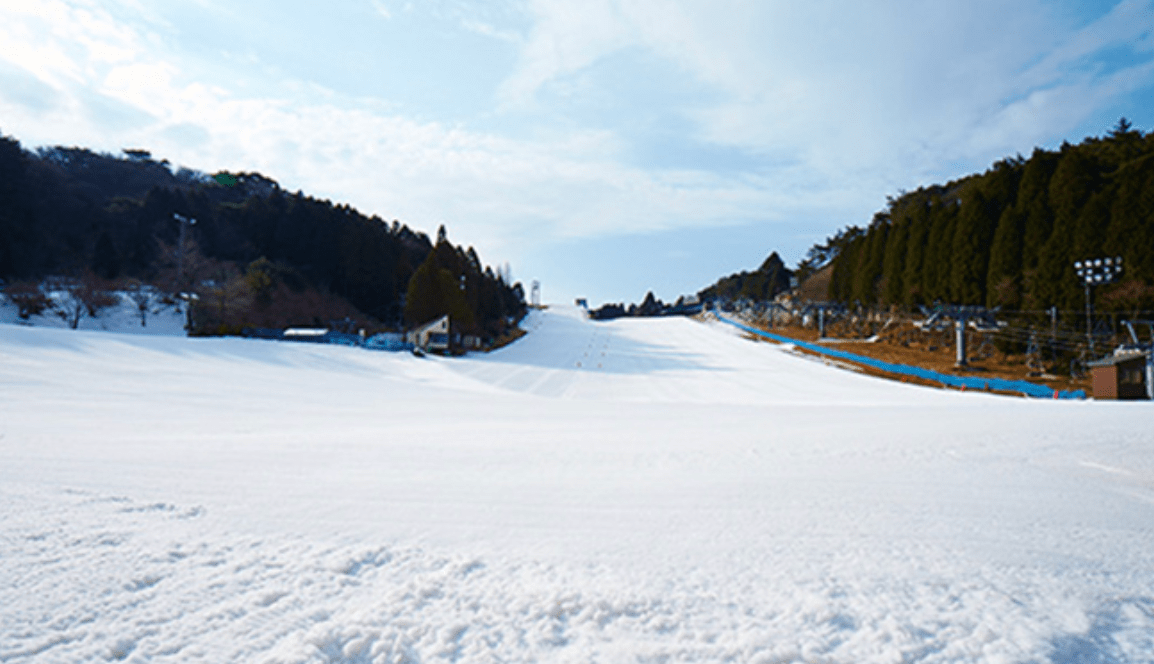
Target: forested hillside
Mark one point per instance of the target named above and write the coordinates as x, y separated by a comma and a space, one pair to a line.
256, 255
1009, 237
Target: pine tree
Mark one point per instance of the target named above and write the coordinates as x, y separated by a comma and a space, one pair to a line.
1003, 281
1073, 183
1131, 233
918, 236
939, 248
1092, 222
969, 260
893, 264
105, 260
433, 292
841, 279
1034, 206
12, 218
867, 273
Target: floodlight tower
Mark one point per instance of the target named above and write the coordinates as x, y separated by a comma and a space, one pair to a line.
184, 223
1096, 272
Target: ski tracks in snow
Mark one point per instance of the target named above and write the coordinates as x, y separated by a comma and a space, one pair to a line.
93, 578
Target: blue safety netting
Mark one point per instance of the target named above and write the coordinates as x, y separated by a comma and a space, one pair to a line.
968, 382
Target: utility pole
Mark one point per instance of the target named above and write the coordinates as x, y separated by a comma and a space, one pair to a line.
1096, 272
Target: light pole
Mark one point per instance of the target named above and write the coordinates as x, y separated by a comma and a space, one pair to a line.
1096, 272
184, 222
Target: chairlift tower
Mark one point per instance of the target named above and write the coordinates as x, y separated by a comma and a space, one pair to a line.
1096, 272
821, 308
961, 315
771, 309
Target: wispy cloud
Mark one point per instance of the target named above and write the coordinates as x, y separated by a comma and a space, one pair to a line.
381, 9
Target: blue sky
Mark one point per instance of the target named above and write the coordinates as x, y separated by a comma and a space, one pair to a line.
603, 147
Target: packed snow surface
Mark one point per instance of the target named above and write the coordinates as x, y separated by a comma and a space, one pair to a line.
649, 490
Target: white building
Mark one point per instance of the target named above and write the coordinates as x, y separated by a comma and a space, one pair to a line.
431, 336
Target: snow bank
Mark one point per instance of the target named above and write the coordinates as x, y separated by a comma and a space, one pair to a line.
696, 497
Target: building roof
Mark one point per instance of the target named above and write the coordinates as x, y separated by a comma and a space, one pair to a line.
1119, 358
433, 323
305, 332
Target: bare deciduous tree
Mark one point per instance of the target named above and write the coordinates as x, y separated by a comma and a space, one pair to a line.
77, 297
141, 295
29, 298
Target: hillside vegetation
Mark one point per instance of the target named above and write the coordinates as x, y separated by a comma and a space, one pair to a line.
256, 255
1009, 237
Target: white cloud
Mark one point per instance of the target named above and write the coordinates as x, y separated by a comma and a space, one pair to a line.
851, 88
490, 188
566, 37
837, 104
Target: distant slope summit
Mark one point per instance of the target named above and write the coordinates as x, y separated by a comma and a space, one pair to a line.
762, 284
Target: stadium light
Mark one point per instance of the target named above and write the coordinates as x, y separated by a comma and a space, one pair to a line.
1096, 272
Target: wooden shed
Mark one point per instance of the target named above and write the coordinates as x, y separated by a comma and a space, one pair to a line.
1121, 376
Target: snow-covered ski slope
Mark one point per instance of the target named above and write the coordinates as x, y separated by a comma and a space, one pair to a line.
684, 495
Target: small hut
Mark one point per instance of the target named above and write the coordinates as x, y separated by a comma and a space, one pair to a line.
1121, 376
433, 335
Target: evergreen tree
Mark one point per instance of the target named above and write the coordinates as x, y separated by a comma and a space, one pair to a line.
13, 209
1033, 204
1072, 184
1003, 280
1131, 233
936, 278
969, 260
105, 260
918, 236
1092, 223
867, 271
433, 292
893, 263
841, 286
